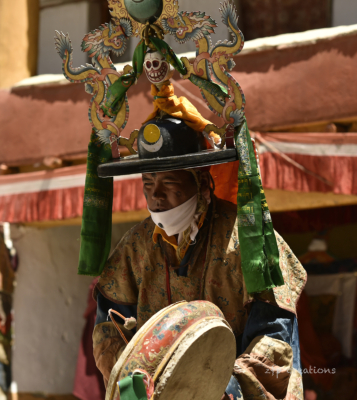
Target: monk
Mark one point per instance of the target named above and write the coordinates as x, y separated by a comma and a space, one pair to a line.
191, 238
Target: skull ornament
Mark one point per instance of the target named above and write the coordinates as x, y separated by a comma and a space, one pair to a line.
157, 69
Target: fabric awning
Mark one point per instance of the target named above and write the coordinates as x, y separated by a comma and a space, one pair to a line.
320, 162
58, 195
311, 160
300, 162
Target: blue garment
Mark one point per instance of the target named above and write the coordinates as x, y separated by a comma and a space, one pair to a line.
104, 304
272, 321
5, 377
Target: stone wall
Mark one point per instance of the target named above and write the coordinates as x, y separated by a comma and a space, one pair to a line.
18, 40
49, 303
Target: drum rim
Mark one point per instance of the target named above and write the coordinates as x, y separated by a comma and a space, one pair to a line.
156, 396
114, 375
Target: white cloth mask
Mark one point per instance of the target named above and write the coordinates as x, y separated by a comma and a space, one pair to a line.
178, 219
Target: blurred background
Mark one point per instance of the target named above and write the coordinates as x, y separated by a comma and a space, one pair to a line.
298, 73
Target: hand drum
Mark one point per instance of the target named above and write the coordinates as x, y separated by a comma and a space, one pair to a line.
187, 349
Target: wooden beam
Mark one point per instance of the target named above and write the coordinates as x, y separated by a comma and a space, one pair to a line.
118, 218
45, 396
316, 126
283, 200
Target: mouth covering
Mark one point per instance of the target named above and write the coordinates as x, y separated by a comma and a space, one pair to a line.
178, 219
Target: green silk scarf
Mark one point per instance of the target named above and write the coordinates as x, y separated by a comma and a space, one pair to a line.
258, 246
96, 231
116, 92
165, 50
96, 228
98, 192
259, 250
132, 388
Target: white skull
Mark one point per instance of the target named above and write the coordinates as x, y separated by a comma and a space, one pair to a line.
157, 68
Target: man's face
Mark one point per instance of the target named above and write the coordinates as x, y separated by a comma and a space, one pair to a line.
167, 190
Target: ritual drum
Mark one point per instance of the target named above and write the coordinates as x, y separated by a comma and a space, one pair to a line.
188, 350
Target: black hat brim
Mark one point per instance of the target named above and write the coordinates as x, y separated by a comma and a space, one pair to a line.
134, 165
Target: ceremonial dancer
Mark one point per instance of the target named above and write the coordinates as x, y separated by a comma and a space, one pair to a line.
209, 240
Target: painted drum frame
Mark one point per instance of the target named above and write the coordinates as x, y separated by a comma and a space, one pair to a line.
153, 345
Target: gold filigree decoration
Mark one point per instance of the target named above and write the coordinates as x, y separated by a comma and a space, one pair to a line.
117, 10
169, 10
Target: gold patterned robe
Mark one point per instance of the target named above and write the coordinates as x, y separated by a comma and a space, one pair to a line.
135, 274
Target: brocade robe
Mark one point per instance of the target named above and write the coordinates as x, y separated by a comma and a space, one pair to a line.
134, 279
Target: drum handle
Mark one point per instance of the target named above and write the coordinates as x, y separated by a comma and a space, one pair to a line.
110, 311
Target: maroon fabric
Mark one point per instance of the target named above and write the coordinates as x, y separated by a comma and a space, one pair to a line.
311, 351
280, 174
88, 383
66, 203
283, 86
314, 220
276, 174
260, 18
310, 137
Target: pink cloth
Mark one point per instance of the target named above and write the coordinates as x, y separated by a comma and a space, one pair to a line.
58, 194
279, 174
332, 156
88, 383
66, 203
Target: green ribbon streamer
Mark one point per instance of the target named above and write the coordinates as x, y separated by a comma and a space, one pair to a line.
116, 92
96, 228
166, 51
98, 192
259, 250
132, 388
258, 246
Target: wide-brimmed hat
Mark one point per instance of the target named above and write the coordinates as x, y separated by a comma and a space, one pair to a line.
168, 143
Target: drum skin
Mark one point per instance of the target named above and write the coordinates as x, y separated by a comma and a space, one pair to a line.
184, 347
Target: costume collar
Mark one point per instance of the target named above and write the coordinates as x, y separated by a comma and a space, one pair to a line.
172, 239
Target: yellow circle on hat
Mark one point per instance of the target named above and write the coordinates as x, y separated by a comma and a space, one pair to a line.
151, 133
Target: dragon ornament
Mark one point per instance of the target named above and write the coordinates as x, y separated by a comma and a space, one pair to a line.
100, 76
212, 62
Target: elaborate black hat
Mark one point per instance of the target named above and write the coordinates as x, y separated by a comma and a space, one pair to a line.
167, 143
